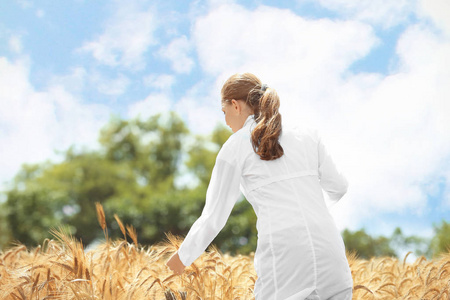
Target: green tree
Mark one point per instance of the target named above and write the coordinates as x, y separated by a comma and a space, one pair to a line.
203, 152
365, 245
403, 244
153, 151
152, 148
25, 213
138, 162
47, 195
5, 236
134, 174
440, 243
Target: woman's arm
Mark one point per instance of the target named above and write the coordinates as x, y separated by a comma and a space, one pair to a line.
223, 192
331, 180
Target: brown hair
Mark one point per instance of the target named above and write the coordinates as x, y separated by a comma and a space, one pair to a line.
264, 103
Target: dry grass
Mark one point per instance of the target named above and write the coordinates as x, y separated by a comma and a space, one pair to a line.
62, 269
389, 278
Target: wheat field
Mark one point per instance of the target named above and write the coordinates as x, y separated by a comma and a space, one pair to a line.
61, 269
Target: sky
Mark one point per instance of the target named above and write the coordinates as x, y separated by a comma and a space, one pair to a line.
372, 76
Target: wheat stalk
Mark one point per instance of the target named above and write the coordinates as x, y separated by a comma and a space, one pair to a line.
62, 269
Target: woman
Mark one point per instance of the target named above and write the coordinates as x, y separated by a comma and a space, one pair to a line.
300, 253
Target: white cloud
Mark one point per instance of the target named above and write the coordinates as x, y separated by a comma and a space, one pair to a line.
396, 131
151, 105
302, 58
200, 107
73, 82
178, 53
389, 133
162, 82
25, 4
438, 10
270, 37
33, 124
15, 44
110, 86
385, 13
127, 36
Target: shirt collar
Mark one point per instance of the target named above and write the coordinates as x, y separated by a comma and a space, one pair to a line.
250, 119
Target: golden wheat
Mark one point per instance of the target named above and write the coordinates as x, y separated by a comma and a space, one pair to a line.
389, 278
62, 269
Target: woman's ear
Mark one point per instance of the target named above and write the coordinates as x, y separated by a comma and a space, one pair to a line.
236, 106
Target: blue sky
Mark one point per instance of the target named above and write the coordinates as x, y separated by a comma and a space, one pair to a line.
372, 76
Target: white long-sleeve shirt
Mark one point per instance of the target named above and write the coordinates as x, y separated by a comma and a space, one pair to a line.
300, 252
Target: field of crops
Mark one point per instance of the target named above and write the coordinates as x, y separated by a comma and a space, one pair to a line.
62, 269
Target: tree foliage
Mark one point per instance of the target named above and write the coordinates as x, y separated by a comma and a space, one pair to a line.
440, 243
367, 246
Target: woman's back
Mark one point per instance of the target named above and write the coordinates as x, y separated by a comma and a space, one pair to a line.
299, 249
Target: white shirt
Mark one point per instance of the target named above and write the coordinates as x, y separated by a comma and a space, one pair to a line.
299, 252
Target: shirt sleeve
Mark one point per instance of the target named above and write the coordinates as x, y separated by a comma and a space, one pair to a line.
222, 194
331, 180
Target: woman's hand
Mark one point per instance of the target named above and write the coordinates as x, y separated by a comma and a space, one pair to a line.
175, 264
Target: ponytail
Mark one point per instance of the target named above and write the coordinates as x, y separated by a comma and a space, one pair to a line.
264, 103
268, 129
